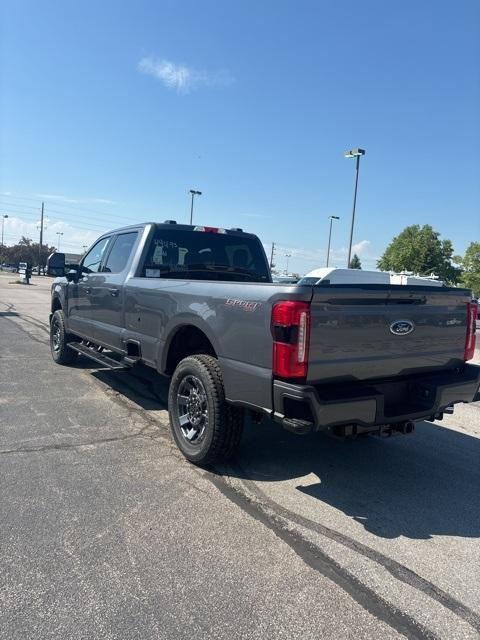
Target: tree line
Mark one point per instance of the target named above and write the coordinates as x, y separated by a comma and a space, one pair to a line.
420, 250
25, 251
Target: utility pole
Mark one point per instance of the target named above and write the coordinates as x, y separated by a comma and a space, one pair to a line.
5, 215
59, 234
288, 256
40, 265
271, 255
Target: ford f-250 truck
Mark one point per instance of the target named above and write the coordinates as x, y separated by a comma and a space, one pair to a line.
198, 304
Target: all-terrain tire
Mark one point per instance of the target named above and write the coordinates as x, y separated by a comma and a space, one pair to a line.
59, 338
223, 428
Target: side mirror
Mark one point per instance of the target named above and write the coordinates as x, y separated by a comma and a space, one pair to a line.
72, 275
56, 264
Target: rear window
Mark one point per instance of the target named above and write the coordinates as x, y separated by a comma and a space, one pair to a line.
200, 255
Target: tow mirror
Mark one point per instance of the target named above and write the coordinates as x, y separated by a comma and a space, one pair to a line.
72, 274
56, 264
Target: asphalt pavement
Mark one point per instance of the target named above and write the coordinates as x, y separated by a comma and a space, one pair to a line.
106, 532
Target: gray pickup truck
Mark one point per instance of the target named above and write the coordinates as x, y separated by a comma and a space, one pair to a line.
198, 304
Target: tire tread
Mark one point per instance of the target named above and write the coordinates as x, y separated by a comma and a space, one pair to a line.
228, 425
65, 356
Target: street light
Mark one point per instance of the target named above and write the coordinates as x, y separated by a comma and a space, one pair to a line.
194, 193
332, 218
5, 215
59, 233
354, 153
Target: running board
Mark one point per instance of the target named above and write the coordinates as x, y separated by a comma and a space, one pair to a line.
99, 357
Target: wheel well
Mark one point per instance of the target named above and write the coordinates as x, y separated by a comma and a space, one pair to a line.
56, 304
187, 341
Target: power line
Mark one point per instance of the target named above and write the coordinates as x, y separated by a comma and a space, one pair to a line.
73, 223
81, 209
67, 216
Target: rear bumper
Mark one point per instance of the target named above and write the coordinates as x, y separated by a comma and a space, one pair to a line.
375, 403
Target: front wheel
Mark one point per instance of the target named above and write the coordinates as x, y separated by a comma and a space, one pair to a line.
61, 353
205, 427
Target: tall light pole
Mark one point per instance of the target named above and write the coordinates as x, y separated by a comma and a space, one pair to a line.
5, 215
40, 244
59, 233
288, 256
194, 193
332, 218
354, 153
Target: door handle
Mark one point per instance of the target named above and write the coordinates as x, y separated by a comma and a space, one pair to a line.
114, 292
87, 290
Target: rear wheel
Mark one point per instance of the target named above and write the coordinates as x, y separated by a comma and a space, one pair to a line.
59, 338
205, 427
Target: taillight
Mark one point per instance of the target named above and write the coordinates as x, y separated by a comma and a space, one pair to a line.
472, 311
291, 333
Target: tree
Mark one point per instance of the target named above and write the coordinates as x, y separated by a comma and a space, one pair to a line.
420, 250
26, 251
355, 262
470, 264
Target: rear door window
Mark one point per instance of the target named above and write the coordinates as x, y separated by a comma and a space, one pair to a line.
120, 253
200, 255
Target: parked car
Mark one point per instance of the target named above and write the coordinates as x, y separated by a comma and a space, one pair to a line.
198, 304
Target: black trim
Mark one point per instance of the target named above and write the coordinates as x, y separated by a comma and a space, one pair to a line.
376, 403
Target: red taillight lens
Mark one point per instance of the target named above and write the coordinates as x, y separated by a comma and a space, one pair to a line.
291, 332
472, 312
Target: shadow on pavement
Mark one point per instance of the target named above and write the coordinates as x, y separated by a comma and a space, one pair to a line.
416, 486
141, 385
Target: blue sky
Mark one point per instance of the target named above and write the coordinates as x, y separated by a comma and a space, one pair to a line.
111, 111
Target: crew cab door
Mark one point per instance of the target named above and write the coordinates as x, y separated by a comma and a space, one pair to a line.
80, 293
107, 295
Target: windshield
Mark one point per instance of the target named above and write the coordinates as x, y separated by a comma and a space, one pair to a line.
198, 255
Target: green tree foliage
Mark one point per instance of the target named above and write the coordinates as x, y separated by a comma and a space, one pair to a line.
420, 250
25, 251
355, 262
470, 264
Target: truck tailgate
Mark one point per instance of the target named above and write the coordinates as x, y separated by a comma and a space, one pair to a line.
352, 335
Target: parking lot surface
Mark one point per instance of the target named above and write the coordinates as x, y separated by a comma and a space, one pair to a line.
106, 532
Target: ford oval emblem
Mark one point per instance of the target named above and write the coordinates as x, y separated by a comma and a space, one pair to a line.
402, 327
